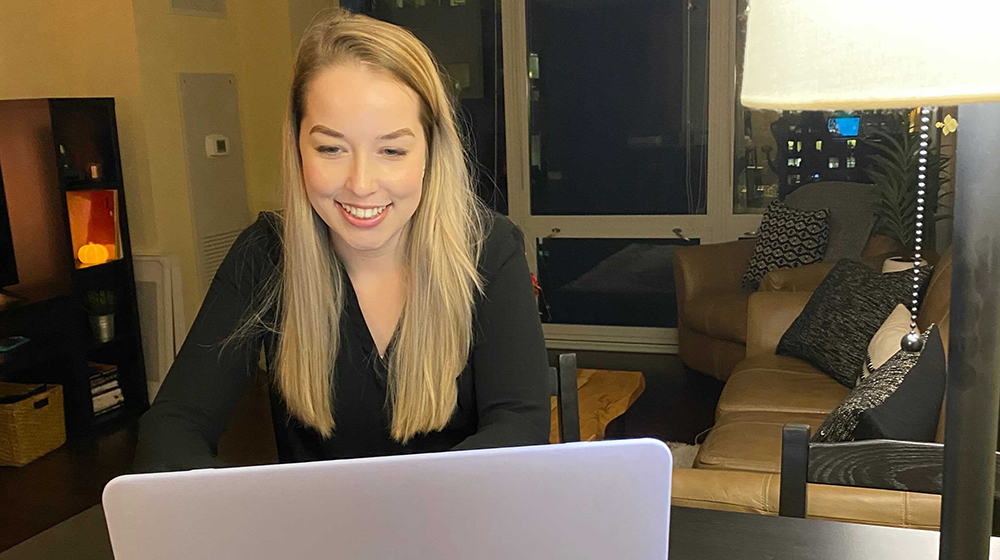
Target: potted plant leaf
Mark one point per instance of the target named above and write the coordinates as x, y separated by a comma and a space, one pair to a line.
894, 171
101, 308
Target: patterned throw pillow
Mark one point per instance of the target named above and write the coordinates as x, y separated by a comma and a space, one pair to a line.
842, 316
787, 238
900, 400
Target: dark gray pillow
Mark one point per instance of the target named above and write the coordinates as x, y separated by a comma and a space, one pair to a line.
842, 316
787, 238
900, 400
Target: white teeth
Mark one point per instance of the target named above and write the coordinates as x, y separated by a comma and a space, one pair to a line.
363, 213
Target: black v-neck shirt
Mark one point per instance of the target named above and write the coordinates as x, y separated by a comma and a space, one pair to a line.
503, 391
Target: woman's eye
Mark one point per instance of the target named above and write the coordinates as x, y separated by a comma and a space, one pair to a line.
330, 150
394, 152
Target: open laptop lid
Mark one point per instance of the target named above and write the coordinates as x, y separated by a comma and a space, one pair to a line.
553, 502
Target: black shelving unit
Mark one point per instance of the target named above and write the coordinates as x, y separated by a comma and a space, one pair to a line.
84, 133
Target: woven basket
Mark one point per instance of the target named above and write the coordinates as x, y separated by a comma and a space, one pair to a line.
31, 426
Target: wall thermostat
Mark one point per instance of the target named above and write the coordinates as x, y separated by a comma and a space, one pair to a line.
216, 145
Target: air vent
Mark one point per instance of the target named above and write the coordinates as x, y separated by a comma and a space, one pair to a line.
213, 250
205, 8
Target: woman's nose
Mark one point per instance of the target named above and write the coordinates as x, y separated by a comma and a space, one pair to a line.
362, 178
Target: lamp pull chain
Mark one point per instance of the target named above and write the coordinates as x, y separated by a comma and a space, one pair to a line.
912, 341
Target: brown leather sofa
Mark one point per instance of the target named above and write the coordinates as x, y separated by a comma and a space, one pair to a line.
738, 464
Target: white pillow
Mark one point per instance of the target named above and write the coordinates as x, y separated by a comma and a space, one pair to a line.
898, 264
887, 340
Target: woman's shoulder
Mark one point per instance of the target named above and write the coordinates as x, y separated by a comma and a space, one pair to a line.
256, 253
502, 241
262, 238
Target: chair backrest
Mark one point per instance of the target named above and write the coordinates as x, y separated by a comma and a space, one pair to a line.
562, 385
852, 213
906, 466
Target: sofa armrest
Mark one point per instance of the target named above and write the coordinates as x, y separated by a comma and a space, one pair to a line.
710, 269
769, 314
800, 279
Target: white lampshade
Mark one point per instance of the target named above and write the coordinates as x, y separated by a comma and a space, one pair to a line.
871, 54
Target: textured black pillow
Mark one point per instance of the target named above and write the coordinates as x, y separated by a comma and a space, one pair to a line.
843, 314
900, 400
787, 238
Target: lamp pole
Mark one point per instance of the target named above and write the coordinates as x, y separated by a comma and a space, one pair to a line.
973, 390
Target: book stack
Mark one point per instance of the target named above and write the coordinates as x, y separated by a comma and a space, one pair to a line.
105, 392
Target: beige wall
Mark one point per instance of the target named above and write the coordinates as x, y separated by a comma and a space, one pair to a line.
251, 43
133, 51
68, 48
266, 67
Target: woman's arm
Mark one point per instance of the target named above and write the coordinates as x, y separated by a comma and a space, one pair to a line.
509, 359
207, 379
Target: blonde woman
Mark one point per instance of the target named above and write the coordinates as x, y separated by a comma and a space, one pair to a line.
396, 315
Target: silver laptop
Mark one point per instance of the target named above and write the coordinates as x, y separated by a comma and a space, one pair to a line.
600, 500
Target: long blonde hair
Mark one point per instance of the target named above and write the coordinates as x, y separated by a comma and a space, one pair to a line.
434, 335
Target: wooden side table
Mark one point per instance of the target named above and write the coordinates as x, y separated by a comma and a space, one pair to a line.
603, 396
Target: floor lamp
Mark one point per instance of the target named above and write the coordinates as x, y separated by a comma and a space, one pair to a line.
886, 54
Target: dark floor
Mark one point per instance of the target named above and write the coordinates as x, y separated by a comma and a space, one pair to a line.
677, 405
63, 483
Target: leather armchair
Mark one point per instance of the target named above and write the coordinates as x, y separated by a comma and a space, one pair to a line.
711, 305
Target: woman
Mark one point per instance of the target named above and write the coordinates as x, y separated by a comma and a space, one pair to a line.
396, 315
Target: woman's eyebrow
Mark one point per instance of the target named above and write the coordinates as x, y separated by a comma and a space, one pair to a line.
326, 130
397, 134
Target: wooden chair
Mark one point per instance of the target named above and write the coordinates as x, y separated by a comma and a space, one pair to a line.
562, 384
881, 464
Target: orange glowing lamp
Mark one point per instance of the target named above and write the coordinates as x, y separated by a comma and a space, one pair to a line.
93, 253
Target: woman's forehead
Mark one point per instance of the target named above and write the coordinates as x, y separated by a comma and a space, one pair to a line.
360, 96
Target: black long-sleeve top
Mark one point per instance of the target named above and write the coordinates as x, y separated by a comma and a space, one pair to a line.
502, 392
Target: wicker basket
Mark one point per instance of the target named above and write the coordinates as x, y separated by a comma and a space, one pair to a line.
32, 425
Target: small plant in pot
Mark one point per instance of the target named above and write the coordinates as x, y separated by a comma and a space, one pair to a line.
101, 308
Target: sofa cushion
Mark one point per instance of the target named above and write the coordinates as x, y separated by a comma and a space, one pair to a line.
770, 383
787, 238
719, 316
888, 340
749, 441
843, 314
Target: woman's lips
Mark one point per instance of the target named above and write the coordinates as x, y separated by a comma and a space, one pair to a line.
364, 217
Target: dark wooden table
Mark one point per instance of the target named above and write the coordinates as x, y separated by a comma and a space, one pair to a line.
700, 534
694, 535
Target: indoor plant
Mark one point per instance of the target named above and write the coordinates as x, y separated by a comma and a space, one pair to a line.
101, 308
894, 172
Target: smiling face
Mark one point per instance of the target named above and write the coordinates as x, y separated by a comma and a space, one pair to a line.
363, 151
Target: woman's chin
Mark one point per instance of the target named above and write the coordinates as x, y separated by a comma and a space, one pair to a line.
364, 241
